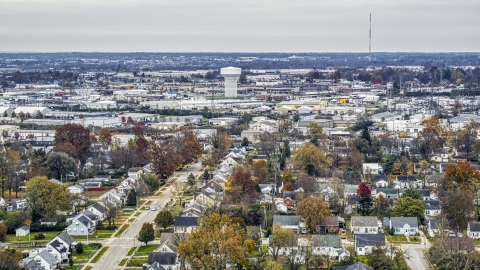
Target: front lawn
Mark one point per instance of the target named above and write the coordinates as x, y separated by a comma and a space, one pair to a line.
48, 236
144, 250
176, 211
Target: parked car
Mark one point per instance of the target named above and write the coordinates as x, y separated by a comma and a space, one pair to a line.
147, 207
153, 208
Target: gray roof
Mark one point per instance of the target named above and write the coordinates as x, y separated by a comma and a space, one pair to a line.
474, 226
155, 266
46, 256
185, 221
286, 220
398, 222
65, 237
326, 241
355, 266
163, 258
24, 227
363, 240
364, 221
99, 207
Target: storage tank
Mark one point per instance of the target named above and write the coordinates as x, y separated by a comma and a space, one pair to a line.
231, 75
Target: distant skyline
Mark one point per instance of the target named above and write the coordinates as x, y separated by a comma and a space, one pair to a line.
240, 26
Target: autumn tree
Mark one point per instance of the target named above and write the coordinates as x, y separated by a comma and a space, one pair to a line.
189, 147
105, 137
317, 135
461, 174
151, 180
281, 239
355, 158
111, 211
75, 137
60, 164
162, 156
3, 232
9, 162
122, 158
458, 207
141, 151
409, 207
365, 199
215, 242
10, 259
313, 211
311, 159
191, 179
243, 186
46, 198
37, 167
164, 219
260, 170
429, 141
146, 233
220, 142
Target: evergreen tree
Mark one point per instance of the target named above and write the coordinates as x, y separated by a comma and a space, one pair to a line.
70, 261
79, 248
147, 233
245, 141
131, 198
5, 114
366, 135
205, 174
191, 179
365, 199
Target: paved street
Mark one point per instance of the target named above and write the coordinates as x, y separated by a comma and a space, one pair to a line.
120, 245
414, 254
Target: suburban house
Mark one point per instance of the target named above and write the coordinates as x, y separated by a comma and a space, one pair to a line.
432, 227
406, 181
404, 225
433, 208
114, 197
389, 193
331, 224
364, 243
44, 260
167, 260
168, 242
185, 224
426, 194
289, 198
194, 209
326, 245
98, 210
81, 225
75, 189
287, 222
381, 181
371, 169
473, 230
364, 225
281, 206
22, 231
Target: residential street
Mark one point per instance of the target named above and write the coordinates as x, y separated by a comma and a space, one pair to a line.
414, 254
119, 246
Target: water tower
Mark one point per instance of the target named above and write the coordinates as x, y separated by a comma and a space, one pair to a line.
231, 75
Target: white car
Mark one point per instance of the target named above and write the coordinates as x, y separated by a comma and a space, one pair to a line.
153, 208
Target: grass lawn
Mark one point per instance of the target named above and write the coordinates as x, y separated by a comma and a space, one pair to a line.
138, 261
99, 254
88, 268
102, 234
176, 210
144, 250
48, 236
402, 238
87, 252
137, 214
121, 230
123, 262
131, 251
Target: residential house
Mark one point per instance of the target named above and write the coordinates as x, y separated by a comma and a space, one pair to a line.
22, 231
364, 225
43, 261
289, 198
381, 181
48, 221
364, 243
432, 227
281, 207
433, 208
287, 222
81, 225
371, 169
167, 260
285, 248
406, 181
168, 242
331, 225
58, 250
75, 189
209, 197
99, 210
426, 194
185, 224
326, 245
114, 197
473, 230
194, 209
404, 225
392, 193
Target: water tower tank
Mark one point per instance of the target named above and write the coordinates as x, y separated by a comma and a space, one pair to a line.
231, 75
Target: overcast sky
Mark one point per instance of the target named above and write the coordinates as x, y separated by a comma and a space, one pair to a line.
245, 26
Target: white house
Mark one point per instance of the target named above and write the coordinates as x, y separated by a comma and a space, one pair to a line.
473, 230
326, 245
281, 207
98, 210
81, 226
404, 225
185, 224
117, 198
44, 260
75, 189
22, 231
287, 222
364, 225
364, 243
371, 168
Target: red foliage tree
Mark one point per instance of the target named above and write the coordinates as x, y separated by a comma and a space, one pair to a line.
75, 135
461, 175
163, 158
363, 189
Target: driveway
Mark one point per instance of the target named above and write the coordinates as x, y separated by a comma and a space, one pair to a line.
414, 254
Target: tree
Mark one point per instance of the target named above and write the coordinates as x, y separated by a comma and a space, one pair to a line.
189, 148
243, 185
366, 135
46, 198
311, 159
163, 158
111, 211
296, 117
313, 211
79, 248
272, 265
151, 180
3, 232
365, 199
214, 243
409, 207
281, 239
10, 260
412, 193
74, 136
260, 170
105, 137
380, 259
13, 114
205, 174
461, 174
164, 219
81, 116
70, 261
146, 233
9, 165
468, 138
430, 140
245, 141
131, 198
317, 135
60, 164
458, 207
191, 179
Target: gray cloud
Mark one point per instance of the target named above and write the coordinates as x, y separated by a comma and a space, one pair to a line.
249, 25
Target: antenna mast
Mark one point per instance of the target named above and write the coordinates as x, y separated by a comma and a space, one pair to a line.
370, 40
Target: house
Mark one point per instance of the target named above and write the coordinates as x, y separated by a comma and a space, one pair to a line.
167, 260
287, 222
81, 226
58, 250
364, 243
433, 208
99, 210
168, 242
185, 224
22, 231
371, 169
194, 209
426, 194
381, 181
286, 247
43, 261
432, 227
406, 181
116, 198
48, 221
473, 230
331, 224
404, 225
281, 207
75, 189
364, 225
154, 266
388, 193
326, 245
92, 217
289, 198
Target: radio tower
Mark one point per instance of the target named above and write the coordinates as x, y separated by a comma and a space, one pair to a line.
370, 40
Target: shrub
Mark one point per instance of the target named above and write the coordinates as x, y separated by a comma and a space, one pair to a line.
79, 248
39, 236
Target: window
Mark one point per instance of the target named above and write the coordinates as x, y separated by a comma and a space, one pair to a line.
359, 249
412, 230
164, 249
397, 230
